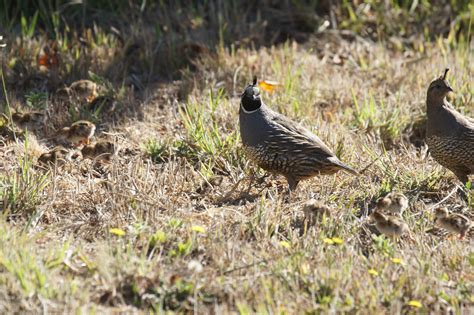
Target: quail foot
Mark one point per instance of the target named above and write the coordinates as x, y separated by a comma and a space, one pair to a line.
79, 132
281, 146
449, 134
394, 203
452, 222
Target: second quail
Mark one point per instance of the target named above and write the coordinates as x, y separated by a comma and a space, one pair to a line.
449, 134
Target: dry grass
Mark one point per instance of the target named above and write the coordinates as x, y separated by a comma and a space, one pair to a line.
175, 221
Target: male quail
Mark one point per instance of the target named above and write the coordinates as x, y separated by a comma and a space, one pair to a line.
449, 135
281, 146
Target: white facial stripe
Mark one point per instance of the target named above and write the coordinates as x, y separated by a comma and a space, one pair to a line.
248, 112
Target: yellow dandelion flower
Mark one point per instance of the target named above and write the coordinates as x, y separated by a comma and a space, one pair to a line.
397, 261
373, 272
116, 231
328, 241
337, 240
415, 303
198, 228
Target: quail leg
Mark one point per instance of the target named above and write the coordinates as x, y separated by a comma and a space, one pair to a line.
292, 183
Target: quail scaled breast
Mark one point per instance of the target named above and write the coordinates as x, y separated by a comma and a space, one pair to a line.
281, 146
449, 135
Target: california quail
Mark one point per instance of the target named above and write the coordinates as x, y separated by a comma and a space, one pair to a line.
314, 210
281, 146
28, 119
452, 222
390, 226
449, 135
79, 132
394, 203
56, 155
102, 151
82, 90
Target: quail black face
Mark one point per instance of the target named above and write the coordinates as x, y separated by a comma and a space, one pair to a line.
439, 88
251, 97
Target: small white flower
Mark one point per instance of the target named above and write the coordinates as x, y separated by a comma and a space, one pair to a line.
2, 45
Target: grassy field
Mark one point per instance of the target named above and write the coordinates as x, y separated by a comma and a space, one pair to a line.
177, 221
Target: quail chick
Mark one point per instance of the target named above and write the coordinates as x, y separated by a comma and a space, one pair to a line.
281, 146
102, 150
84, 90
9, 133
452, 222
7, 130
104, 104
54, 156
63, 94
390, 226
314, 210
449, 134
28, 119
79, 132
394, 203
